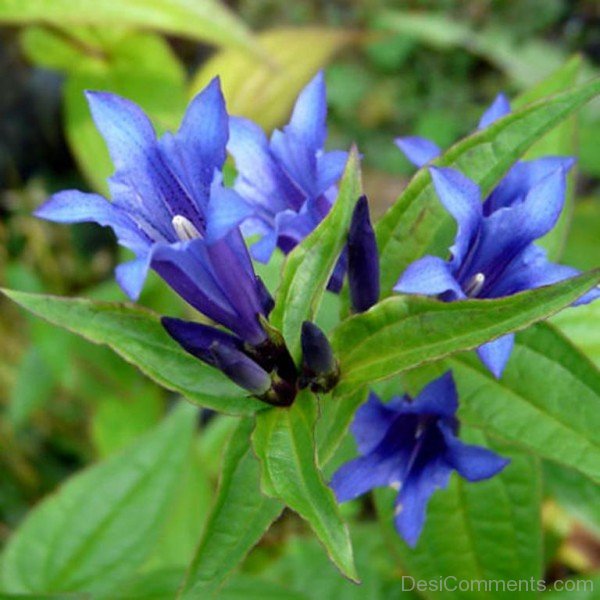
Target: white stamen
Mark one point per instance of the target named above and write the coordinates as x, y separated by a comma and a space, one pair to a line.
398, 509
185, 229
396, 485
475, 285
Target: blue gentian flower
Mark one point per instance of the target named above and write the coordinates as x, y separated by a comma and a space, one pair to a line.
493, 254
320, 369
289, 180
170, 208
412, 446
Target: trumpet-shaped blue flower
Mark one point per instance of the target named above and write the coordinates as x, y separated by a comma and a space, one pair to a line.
412, 446
289, 180
170, 208
493, 254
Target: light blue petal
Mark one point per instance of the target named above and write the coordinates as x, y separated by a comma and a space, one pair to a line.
419, 151
132, 275
308, 120
439, 397
72, 206
521, 178
499, 108
226, 210
429, 276
126, 129
330, 167
494, 355
462, 199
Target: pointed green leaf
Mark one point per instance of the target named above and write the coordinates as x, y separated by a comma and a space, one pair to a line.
283, 441
207, 20
308, 267
237, 521
489, 531
547, 401
137, 335
100, 526
415, 224
403, 332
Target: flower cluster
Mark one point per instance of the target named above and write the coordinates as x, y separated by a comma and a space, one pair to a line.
171, 208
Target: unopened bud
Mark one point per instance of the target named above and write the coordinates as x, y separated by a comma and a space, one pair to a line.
320, 368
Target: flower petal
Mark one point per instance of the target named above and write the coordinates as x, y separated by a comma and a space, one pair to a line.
439, 397
474, 463
260, 179
414, 495
499, 108
431, 276
330, 167
308, 120
494, 355
521, 178
132, 275
72, 206
371, 423
462, 199
226, 210
419, 151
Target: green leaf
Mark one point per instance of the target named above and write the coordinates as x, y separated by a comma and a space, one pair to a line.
308, 267
488, 531
583, 249
580, 326
547, 401
575, 493
208, 20
403, 332
243, 587
99, 527
237, 521
283, 442
415, 224
137, 335
336, 415
265, 91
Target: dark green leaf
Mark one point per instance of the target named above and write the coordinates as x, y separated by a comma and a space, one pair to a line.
403, 332
547, 401
137, 335
237, 521
283, 442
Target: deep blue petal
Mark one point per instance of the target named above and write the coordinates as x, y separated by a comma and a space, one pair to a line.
419, 151
521, 178
371, 423
474, 463
462, 199
429, 276
226, 210
499, 108
203, 138
439, 397
509, 231
494, 355
241, 369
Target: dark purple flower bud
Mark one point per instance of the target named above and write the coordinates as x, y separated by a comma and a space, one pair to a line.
241, 369
363, 259
320, 368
